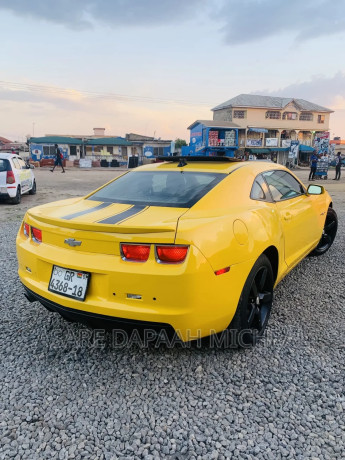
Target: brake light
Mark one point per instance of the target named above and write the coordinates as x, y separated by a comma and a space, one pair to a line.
171, 254
26, 229
10, 179
36, 234
135, 252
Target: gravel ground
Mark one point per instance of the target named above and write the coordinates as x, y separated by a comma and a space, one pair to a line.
68, 395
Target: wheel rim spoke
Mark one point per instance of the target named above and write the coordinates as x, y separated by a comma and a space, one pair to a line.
254, 290
252, 313
262, 278
329, 226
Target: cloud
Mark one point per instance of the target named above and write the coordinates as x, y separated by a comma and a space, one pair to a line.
116, 13
253, 20
326, 91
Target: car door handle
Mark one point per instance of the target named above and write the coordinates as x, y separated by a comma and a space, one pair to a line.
287, 216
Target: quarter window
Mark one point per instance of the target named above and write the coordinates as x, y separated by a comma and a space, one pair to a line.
282, 185
258, 190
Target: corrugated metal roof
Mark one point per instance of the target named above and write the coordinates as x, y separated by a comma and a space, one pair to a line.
54, 140
109, 141
270, 102
214, 124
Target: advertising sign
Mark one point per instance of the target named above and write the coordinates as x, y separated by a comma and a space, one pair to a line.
321, 143
254, 142
293, 153
286, 143
148, 151
272, 142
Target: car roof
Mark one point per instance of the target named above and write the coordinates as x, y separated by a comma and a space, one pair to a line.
5, 156
225, 167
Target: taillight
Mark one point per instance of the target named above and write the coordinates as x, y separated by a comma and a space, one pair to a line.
135, 252
171, 254
10, 179
36, 234
26, 229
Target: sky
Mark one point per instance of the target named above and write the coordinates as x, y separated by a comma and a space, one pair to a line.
153, 67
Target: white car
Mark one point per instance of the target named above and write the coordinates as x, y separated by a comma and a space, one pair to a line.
16, 178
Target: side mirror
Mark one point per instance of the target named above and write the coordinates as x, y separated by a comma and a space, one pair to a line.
27, 166
315, 190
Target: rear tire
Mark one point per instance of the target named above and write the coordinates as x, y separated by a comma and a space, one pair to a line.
17, 199
328, 234
255, 304
33, 190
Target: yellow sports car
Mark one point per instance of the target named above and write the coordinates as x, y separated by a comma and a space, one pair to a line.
193, 244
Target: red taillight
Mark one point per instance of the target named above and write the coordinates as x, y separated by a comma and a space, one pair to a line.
222, 271
135, 252
10, 179
26, 229
171, 254
36, 234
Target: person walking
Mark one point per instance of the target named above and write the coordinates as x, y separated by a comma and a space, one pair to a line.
58, 159
313, 165
337, 166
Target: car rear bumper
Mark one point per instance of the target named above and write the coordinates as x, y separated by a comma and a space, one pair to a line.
188, 297
8, 192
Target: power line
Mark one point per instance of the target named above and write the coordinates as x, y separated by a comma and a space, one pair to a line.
95, 95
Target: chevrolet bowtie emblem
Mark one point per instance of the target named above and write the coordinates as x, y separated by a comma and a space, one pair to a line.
72, 242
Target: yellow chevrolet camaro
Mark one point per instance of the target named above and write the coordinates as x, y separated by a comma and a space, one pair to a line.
195, 245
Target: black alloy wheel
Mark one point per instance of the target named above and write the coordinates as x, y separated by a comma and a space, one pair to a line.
33, 189
18, 197
328, 234
254, 308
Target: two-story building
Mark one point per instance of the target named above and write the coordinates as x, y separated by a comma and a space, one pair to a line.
268, 124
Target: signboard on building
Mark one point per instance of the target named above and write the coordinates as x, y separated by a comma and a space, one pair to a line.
286, 143
271, 142
254, 142
148, 151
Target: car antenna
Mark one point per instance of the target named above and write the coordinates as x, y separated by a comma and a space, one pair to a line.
182, 162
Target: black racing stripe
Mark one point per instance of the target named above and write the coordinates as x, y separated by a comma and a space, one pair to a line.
86, 211
123, 215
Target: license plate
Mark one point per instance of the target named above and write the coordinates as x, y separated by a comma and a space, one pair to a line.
70, 283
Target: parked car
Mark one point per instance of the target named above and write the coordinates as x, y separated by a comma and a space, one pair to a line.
195, 245
16, 178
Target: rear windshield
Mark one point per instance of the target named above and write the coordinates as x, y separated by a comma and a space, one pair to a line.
159, 188
4, 165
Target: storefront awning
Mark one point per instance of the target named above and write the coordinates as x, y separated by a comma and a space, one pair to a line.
305, 148
258, 130
259, 151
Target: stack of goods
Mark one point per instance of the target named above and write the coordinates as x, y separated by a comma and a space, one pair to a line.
229, 138
213, 138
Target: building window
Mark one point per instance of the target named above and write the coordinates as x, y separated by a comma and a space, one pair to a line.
158, 151
306, 116
273, 114
289, 116
240, 114
48, 150
320, 118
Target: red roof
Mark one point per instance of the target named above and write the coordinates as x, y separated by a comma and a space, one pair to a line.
3, 140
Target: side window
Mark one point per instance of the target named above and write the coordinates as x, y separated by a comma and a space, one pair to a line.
21, 163
5, 165
16, 163
259, 190
282, 185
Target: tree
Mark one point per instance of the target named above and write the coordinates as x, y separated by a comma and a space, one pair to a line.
180, 143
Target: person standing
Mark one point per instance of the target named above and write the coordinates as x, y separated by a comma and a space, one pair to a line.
58, 159
313, 165
337, 166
